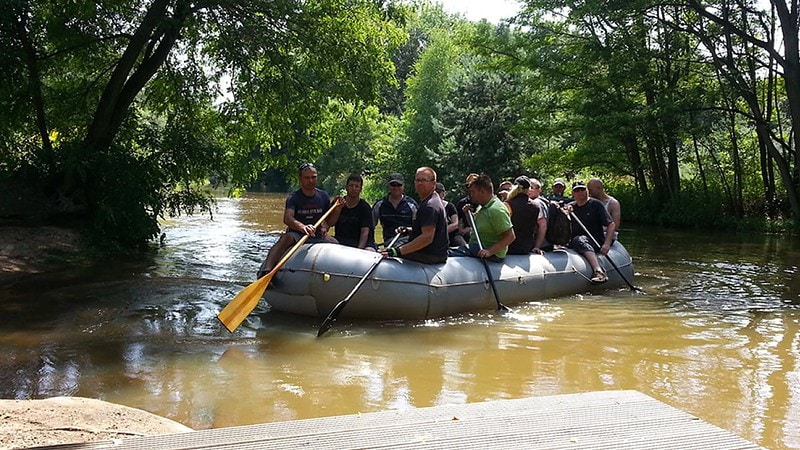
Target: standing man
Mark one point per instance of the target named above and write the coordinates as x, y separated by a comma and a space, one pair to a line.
492, 222
598, 191
395, 210
428, 241
594, 217
304, 207
559, 186
354, 226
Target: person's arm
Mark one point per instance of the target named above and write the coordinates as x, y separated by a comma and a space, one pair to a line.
609, 238
541, 231
363, 237
418, 243
506, 238
616, 214
296, 225
453, 225
337, 201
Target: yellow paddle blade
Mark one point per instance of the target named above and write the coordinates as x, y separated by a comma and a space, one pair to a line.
243, 304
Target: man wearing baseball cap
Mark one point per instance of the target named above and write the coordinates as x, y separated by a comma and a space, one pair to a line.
592, 215
559, 186
395, 209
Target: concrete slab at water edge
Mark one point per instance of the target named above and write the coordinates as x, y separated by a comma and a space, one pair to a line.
605, 419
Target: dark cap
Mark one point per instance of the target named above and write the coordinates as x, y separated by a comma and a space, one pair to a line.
440, 187
559, 181
395, 178
578, 185
523, 182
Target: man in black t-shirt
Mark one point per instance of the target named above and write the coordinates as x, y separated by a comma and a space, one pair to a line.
304, 207
428, 241
593, 215
354, 227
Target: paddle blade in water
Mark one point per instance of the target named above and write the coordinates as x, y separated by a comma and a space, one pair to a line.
243, 304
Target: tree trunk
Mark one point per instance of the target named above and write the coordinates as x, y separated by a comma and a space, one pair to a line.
47, 155
149, 47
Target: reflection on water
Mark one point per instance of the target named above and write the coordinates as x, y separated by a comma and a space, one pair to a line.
715, 336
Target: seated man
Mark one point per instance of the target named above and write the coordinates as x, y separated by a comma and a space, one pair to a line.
558, 192
304, 207
597, 190
492, 222
525, 214
395, 210
354, 226
428, 241
593, 215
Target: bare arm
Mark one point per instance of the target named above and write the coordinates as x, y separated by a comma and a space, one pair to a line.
419, 242
541, 231
296, 225
362, 239
506, 238
609, 238
615, 212
453, 225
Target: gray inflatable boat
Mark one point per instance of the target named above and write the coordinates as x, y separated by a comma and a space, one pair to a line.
318, 276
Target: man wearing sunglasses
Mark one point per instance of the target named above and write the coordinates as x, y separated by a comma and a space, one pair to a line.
428, 239
304, 207
593, 216
395, 210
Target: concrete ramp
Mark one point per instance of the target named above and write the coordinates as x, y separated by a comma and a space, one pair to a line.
592, 420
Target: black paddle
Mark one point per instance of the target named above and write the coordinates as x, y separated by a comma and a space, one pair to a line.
500, 306
334, 314
576, 219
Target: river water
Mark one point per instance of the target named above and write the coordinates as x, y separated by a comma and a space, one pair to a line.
716, 335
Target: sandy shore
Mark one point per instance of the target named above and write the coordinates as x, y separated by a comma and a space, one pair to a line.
68, 420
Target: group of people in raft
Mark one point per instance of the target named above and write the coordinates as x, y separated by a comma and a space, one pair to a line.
512, 221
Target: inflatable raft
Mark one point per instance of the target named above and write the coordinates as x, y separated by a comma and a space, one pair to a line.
319, 276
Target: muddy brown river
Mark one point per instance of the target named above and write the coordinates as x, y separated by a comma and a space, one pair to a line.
716, 336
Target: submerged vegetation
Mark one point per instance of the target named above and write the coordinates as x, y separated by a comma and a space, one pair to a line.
118, 114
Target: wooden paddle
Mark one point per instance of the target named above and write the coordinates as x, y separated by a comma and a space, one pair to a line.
245, 301
334, 314
576, 219
500, 307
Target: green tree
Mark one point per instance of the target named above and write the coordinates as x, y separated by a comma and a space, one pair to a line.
118, 104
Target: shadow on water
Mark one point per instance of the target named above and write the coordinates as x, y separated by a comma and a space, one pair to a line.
715, 335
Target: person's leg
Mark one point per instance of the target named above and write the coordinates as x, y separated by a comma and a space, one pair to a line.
582, 245
458, 241
286, 241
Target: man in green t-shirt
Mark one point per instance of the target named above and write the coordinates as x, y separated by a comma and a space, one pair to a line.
492, 221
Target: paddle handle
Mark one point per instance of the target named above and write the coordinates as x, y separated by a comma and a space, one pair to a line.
245, 301
337, 309
500, 306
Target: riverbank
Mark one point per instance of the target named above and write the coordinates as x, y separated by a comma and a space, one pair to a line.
71, 420
30, 250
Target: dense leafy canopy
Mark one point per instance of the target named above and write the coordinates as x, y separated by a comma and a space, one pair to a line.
121, 110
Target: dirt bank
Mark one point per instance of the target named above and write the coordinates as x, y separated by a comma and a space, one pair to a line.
30, 250
68, 420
